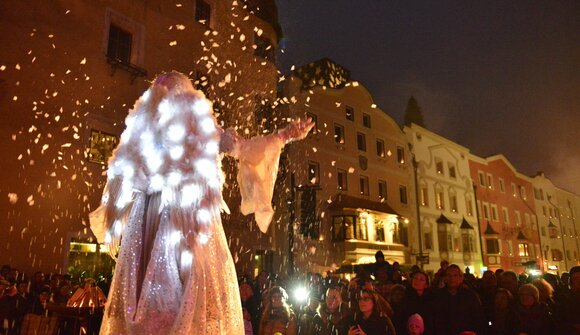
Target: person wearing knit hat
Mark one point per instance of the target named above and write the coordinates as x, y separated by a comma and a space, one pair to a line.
415, 325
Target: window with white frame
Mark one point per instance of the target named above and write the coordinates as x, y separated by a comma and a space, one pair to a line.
518, 218
523, 249
492, 246
453, 202
439, 166
489, 181
481, 178
439, 198
506, 217
514, 190
400, 155
424, 195
486, 210
501, 185
494, 213
468, 206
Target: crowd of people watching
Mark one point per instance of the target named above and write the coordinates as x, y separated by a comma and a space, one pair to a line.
387, 300
383, 300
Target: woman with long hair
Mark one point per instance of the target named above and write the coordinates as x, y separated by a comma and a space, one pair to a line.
278, 317
368, 318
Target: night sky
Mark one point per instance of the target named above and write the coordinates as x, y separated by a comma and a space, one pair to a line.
493, 76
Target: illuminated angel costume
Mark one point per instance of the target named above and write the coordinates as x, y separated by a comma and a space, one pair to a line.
174, 272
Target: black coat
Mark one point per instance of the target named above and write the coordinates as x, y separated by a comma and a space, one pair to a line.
453, 314
375, 325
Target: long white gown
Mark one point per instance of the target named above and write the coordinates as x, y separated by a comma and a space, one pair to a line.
174, 272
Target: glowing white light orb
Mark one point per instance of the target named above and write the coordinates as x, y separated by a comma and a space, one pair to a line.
212, 147
207, 125
174, 178
166, 111
206, 168
203, 216
156, 183
203, 238
174, 237
190, 194
117, 227
186, 259
201, 107
176, 152
108, 237
301, 294
176, 132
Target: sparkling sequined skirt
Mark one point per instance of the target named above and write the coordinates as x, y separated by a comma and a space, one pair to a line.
153, 292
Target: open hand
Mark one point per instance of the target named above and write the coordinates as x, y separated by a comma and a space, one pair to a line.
296, 130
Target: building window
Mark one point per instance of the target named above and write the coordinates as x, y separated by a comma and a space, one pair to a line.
468, 243
452, 172
486, 210
382, 190
424, 196
506, 217
557, 255
439, 166
364, 185
403, 194
314, 118
514, 190
379, 232
494, 214
501, 185
342, 180
553, 231
349, 113
489, 181
313, 173
366, 120
361, 229
428, 237
445, 240
202, 12
453, 202
338, 134
523, 250
518, 218
543, 230
361, 141
400, 155
120, 44
343, 227
101, 146
523, 193
263, 47
469, 206
380, 148
492, 246
439, 199
481, 178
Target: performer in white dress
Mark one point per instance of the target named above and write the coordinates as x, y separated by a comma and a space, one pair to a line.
174, 272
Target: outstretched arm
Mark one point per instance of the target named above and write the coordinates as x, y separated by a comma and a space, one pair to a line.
296, 130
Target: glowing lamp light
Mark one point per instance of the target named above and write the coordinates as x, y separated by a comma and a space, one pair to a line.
207, 125
190, 194
301, 294
108, 237
156, 183
174, 237
535, 272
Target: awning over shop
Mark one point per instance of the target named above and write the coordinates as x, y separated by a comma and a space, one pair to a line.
342, 201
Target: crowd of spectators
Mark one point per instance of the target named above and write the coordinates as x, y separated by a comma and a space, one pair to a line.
29, 305
386, 300
382, 300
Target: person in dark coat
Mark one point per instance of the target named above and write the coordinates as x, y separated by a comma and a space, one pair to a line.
533, 317
503, 319
418, 300
333, 315
457, 308
368, 320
